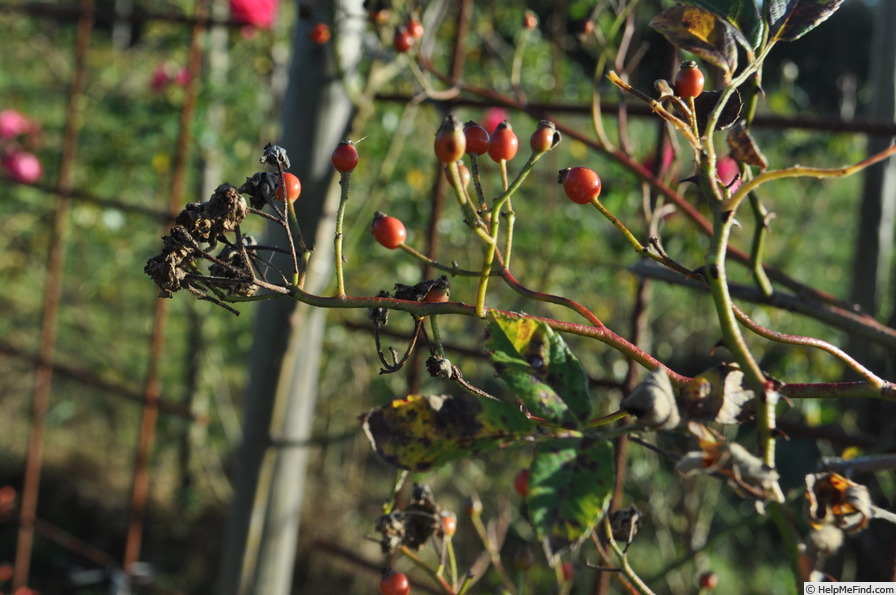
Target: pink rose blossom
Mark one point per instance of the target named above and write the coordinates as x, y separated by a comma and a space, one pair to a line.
23, 167
258, 13
728, 171
183, 77
13, 124
160, 79
493, 117
668, 157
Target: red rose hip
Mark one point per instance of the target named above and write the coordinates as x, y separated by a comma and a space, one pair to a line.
689, 80
477, 138
388, 231
450, 142
345, 156
394, 583
293, 188
581, 184
503, 143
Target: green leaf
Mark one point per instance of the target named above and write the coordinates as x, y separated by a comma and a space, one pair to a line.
539, 369
421, 432
700, 32
791, 19
570, 487
743, 15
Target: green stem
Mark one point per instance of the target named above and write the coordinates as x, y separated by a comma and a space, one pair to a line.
494, 226
692, 117
780, 515
465, 586
436, 335
511, 217
408, 553
474, 221
637, 245
717, 279
484, 275
625, 567
344, 182
760, 233
752, 68
606, 419
452, 560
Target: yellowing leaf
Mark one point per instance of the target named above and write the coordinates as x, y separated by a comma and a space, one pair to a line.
700, 32
420, 432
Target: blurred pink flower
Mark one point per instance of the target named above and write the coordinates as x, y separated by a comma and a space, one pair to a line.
182, 79
649, 162
23, 167
493, 117
160, 78
728, 171
13, 123
258, 13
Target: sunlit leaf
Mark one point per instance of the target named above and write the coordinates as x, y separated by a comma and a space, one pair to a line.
744, 148
539, 369
791, 19
743, 15
421, 432
569, 489
701, 32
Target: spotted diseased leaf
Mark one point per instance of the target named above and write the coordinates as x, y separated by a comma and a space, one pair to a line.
743, 15
421, 432
744, 148
539, 369
791, 19
701, 32
570, 487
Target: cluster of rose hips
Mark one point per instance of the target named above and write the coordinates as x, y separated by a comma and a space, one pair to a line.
403, 38
405, 35
581, 184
